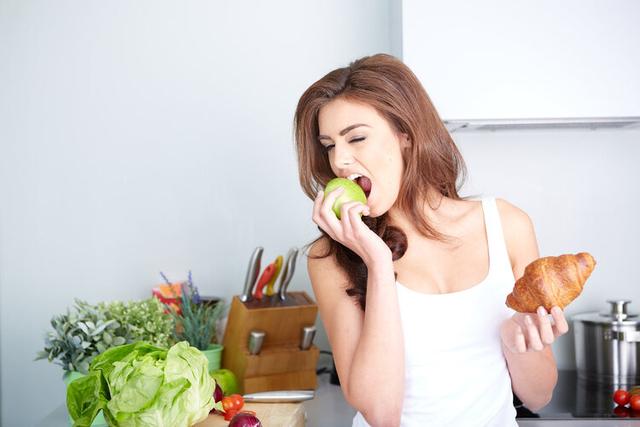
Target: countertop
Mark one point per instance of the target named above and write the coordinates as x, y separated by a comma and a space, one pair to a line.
329, 408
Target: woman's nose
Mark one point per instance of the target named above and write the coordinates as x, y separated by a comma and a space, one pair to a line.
343, 155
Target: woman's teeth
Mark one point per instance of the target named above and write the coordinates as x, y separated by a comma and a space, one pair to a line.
354, 176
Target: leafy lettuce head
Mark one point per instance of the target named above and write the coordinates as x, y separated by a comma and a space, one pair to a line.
140, 385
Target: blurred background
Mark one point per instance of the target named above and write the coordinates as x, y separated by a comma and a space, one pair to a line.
147, 136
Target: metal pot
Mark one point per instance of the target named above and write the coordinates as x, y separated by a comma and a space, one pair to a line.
608, 345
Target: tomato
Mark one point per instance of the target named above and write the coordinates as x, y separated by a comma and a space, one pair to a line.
635, 402
621, 397
238, 401
228, 404
621, 411
229, 414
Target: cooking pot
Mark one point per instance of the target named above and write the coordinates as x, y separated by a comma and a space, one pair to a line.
608, 345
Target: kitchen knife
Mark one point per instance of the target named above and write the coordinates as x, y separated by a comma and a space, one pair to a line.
264, 279
289, 270
252, 274
280, 396
270, 288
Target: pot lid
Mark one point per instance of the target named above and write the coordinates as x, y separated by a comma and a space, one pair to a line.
617, 314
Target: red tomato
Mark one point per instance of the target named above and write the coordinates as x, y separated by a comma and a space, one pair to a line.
621, 411
238, 401
230, 414
635, 402
621, 397
228, 404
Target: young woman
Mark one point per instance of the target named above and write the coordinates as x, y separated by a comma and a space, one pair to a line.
411, 286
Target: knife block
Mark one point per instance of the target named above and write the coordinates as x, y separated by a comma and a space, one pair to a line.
281, 364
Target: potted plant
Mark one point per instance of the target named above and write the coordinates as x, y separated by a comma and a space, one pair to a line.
79, 335
88, 330
196, 322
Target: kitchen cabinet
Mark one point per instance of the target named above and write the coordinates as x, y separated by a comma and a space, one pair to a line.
500, 59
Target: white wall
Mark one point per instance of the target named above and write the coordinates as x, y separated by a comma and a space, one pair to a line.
145, 136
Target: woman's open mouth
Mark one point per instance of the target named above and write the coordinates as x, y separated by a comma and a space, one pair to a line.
362, 181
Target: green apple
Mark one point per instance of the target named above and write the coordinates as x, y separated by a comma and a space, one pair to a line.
352, 192
227, 381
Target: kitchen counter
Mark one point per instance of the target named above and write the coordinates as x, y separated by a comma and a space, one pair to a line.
574, 404
571, 398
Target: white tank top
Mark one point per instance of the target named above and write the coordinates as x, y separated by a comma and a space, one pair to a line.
455, 371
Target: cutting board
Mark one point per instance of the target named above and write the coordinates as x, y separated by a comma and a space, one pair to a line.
269, 414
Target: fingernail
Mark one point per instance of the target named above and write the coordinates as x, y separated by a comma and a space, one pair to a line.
542, 311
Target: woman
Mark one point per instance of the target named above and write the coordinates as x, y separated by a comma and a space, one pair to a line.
411, 286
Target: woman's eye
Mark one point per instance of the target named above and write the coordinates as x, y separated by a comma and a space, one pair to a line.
358, 139
328, 147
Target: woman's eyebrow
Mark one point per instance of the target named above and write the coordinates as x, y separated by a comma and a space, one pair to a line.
345, 130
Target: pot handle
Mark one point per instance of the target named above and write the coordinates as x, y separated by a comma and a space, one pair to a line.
626, 336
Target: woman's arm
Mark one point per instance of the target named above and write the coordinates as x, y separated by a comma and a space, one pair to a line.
368, 348
527, 338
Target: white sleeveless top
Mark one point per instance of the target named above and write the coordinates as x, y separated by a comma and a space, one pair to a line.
455, 371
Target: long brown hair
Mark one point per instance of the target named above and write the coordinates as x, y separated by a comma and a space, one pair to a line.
431, 161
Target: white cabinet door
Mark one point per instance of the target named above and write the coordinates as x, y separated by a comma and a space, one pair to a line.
514, 59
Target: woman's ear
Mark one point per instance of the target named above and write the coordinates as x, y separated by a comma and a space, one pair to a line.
405, 142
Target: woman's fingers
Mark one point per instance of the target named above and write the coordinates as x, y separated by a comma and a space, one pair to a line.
513, 338
533, 336
353, 214
533, 331
343, 229
351, 218
546, 332
323, 214
560, 327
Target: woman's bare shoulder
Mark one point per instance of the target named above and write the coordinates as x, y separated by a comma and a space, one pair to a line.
323, 266
514, 219
519, 236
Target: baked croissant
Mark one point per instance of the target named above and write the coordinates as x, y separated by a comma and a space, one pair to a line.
551, 281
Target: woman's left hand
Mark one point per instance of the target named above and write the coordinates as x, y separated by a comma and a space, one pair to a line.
525, 332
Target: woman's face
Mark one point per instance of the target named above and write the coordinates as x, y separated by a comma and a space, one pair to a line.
358, 140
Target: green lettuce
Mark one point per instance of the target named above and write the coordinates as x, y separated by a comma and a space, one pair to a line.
140, 385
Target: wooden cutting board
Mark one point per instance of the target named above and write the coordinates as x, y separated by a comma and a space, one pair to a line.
269, 414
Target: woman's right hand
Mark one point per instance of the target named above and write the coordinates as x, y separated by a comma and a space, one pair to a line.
349, 230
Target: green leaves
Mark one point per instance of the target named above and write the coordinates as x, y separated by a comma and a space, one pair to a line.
144, 386
88, 330
86, 396
197, 319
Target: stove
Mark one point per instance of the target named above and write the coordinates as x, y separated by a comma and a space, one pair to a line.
575, 398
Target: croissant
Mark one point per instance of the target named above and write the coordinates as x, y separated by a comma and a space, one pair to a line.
551, 281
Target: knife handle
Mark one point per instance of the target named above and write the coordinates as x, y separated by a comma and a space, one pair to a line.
270, 284
252, 274
264, 279
292, 256
285, 271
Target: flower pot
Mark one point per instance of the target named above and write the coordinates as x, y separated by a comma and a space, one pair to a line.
213, 354
68, 377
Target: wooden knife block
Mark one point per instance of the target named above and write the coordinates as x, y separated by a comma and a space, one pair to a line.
281, 364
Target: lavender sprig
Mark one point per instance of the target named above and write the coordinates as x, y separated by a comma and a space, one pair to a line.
165, 278
195, 295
